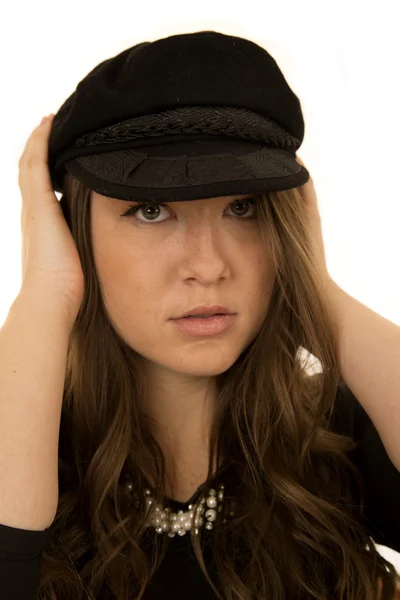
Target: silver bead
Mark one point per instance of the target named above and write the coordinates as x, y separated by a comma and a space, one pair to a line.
220, 495
209, 525
129, 486
171, 534
213, 492
147, 492
181, 532
159, 529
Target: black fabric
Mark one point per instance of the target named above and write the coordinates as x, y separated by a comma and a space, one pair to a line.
179, 576
381, 478
185, 117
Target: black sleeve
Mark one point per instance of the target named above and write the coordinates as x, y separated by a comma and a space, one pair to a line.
380, 476
20, 561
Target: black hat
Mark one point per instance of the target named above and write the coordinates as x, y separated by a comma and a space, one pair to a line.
189, 116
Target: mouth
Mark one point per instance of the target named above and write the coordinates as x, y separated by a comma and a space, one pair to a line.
204, 316
205, 312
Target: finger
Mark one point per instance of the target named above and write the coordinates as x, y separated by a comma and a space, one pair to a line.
38, 133
397, 591
28, 145
34, 177
298, 159
379, 588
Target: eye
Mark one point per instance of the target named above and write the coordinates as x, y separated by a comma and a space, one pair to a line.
151, 210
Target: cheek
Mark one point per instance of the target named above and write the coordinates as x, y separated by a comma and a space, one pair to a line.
262, 275
131, 289
127, 287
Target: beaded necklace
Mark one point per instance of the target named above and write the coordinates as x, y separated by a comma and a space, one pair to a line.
166, 520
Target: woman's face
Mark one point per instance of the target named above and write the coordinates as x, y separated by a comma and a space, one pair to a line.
161, 262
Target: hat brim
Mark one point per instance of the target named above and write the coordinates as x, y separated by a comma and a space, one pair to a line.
189, 170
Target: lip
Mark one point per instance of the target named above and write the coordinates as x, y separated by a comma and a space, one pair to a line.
204, 327
206, 310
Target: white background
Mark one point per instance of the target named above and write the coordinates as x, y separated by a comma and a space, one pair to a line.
340, 58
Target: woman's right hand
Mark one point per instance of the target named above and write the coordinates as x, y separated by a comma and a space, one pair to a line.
50, 259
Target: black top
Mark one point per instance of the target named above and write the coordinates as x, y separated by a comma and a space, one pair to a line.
179, 575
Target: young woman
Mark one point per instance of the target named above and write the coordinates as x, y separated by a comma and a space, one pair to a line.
147, 453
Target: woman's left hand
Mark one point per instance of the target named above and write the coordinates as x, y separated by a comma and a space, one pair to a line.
310, 198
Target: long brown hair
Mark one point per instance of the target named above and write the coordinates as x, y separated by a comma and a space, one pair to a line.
295, 527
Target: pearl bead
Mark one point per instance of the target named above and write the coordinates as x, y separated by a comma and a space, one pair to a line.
211, 514
165, 520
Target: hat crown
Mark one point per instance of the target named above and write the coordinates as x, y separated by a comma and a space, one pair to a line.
201, 69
